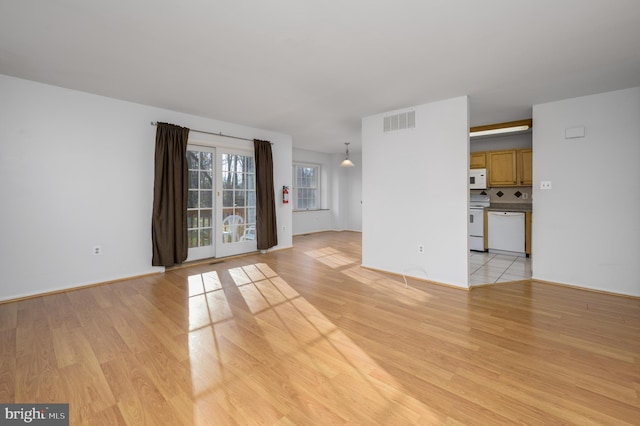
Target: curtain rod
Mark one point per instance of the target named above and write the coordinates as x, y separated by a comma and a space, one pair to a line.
211, 133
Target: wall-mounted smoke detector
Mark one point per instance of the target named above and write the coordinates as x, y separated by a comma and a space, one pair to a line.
401, 121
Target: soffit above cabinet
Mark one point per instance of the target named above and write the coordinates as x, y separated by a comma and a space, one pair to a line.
500, 129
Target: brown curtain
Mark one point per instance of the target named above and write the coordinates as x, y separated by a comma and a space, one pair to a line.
169, 220
266, 226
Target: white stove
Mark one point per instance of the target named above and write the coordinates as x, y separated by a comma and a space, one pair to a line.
477, 204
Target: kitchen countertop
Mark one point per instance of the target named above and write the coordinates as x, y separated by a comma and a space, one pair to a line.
511, 207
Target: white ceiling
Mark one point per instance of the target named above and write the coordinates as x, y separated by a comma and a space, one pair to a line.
313, 69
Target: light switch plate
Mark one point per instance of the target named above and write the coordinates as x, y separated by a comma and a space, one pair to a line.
545, 184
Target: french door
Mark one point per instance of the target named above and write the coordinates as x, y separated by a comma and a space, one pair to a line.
201, 202
221, 208
237, 199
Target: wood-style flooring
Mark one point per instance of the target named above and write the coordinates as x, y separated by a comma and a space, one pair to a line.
306, 336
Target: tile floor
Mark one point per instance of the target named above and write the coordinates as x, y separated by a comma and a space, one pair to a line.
486, 268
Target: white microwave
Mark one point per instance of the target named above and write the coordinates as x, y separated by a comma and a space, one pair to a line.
478, 179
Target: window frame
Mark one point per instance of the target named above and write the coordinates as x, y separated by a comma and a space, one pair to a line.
317, 188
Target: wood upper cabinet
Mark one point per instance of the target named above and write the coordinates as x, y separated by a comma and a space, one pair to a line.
525, 167
502, 166
478, 160
512, 167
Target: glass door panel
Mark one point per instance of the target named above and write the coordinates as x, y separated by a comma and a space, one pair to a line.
236, 233
200, 203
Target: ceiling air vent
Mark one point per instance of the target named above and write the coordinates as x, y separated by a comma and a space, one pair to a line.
404, 120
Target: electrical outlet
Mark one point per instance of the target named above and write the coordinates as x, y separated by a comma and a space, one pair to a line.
545, 184
420, 248
525, 196
97, 250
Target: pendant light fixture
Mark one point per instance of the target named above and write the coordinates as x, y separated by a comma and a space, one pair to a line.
346, 162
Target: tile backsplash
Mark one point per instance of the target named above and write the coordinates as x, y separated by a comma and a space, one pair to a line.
511, 194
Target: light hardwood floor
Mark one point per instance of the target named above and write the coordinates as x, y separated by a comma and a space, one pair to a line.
305, 336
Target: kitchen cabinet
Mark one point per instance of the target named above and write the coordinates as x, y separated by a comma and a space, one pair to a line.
502, 168
512, 167
478, 160
527, 233
525, 167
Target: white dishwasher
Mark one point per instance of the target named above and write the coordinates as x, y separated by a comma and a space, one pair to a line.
506, 232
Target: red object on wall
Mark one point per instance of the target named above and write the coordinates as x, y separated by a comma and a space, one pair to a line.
285, 195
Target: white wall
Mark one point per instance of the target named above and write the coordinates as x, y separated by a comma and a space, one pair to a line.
341, 194
76, 170
351, 190
415, 193
347, 193
586, 230
305, 222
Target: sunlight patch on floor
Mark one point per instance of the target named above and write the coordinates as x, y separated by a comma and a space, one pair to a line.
292, 337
